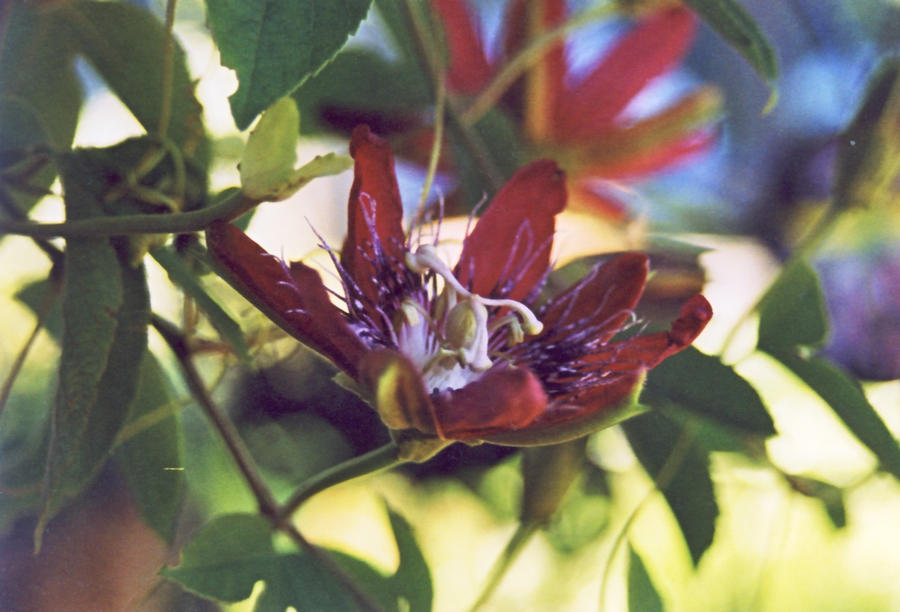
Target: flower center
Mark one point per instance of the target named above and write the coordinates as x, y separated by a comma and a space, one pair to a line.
448, 337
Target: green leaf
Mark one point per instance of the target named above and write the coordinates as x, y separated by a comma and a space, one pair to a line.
731, 21
151, 451
868, 153
106, 310
412, 581
360, 80
39, 90
848, 401
548, 473
34, 295
660, 442
267, 166
792, 313
106, 33
703, 385
275, 45
181, 275
232, 552
642, 595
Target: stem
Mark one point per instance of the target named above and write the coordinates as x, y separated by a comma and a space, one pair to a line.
436, 146
178, 343
165, 104
471, 141
524, 60
510, 553
381, 458
176, 223
662, 480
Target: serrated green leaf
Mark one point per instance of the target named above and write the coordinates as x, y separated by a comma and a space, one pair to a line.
151, 451
729, 19
703, 385
661, 442
275, 45
868, 152
180, 274
792, 313
37, 76
106, 34
232, 552
642, 595
267, 165
106, 309
849, 403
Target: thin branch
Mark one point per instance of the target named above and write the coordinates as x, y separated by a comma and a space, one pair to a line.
429, 57
510, 553
436, 146
381, 458
168, 69
268, 507
662, 480
176, 223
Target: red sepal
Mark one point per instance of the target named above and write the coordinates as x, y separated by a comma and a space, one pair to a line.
294, 297
469, 67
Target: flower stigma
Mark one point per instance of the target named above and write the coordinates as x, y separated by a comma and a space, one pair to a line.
449, 339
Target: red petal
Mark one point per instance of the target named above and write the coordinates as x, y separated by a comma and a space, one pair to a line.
605, 298
469, 67
294, 297
508, 252
645, 352
651, 49
501, 400
375, 212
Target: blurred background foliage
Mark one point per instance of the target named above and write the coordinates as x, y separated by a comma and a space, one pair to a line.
768, 501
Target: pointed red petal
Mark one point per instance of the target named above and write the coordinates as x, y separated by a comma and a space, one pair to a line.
602, 205
294, 297
374, 213
501, 400
469, 67
508, 252
651, 49
605, 298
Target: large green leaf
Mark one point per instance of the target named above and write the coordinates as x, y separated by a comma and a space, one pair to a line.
792, 312
731, 21
703, 385
151, 451
40, 95
642, 595
232, 552
660, 442
125, 42
106, 309
275, 45
846, 398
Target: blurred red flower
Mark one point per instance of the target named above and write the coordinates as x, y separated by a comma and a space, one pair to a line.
580, 123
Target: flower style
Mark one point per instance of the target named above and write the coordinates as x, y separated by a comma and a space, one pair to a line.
581, 123
465, 353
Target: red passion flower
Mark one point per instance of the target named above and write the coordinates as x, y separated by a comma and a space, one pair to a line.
464, 352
